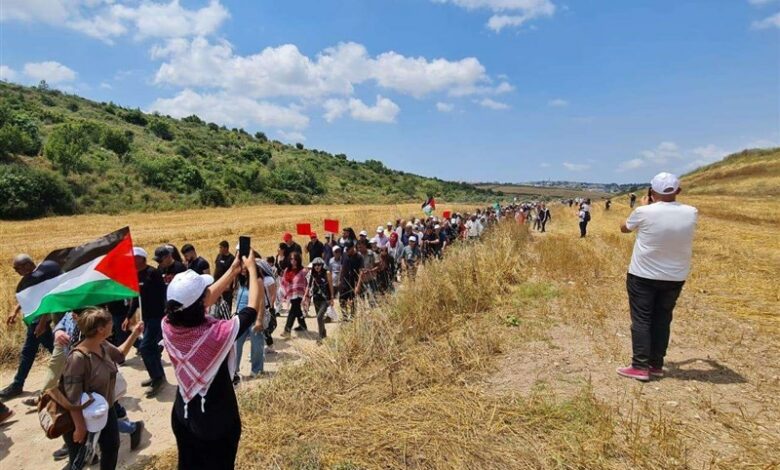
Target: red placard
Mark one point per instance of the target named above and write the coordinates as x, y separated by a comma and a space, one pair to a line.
447, 214
303, 229
331, 226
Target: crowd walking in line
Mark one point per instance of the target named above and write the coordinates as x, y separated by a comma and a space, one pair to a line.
202, 314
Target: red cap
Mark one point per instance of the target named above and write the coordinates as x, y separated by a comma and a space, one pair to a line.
313, 235
287, 236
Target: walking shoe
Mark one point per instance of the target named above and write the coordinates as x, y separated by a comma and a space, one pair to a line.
300, 328
236, 380
155, 387
4, 415
135, 436
61, 453
31, 402
633, 373
657, 372
286, 334
270, 350
147, 382
11, 391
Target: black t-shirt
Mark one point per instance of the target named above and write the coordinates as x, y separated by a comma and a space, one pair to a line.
199, 265
222, 264
153, 289
316, 249
168, 273
350, 272
221, 417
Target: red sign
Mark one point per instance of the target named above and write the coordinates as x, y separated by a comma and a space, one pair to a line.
447, 214
303, 229
331, 226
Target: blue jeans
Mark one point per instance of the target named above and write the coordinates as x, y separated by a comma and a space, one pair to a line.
30, 349
257, 352
149, 349
125, 426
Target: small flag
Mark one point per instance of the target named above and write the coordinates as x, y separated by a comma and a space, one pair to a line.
303, 229
94, 273
447, 214
429, 206
331, 226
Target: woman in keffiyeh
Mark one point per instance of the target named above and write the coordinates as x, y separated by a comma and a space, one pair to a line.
205, 416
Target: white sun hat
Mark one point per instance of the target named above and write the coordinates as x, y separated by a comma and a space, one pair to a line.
187, 287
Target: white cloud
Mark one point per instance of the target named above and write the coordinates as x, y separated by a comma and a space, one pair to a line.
576, 166
761, 144
383, 111
285, 71
761, 2
51, 71
768, 22
544, 165
508, 13
7, 73
106, 86
663, 153
231, 110
492, 104
291, 136
444, 107
107, 20
632, 164
558, 103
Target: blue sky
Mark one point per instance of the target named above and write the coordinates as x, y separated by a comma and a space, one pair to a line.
474, 90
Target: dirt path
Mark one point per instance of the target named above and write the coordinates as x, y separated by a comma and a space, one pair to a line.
23, 445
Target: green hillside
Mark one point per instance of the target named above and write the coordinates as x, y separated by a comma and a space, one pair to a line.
62, 154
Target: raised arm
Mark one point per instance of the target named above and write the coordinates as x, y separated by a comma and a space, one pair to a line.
215, 290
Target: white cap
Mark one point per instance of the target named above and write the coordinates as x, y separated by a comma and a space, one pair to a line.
409, 224
412, 239
187, 287
380, 229
337, 248
390, 224
96, 414
363, 233
436, 227
665, 183
373, 240
138, 251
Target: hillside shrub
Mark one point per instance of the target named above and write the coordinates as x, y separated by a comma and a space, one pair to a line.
161, 129
255, 153
173, 174
116, 141
27, 192
135, 116
18, 133
67, 145
295, 178
213, 197
261, 136
73, 106
299, 146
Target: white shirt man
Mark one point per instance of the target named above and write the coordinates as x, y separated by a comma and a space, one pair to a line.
660, 263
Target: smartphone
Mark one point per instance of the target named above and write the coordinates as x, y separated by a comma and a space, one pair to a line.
650, 194
243, 246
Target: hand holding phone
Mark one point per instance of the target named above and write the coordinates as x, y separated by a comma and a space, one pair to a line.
243, 246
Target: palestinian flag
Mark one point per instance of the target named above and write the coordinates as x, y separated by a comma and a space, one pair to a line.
95, 273
429, 206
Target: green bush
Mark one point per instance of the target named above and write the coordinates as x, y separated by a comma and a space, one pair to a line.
72, 106
299, 146
135, 116
67, 145
296, 178
261, 136
214, 197
116, 141
173, 174
255, 153
161, 129
28, 192
18, 133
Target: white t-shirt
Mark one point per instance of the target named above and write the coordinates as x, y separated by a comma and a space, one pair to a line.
664, 240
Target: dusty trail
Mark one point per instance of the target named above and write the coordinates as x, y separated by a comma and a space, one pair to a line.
23, 445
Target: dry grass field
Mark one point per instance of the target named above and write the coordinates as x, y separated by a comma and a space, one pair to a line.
204, 228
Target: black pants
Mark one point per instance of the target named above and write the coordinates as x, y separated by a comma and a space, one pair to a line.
651, 303
348, 304
269, 339
295, 313
543, 224
205, 454
108, 443
321, 307
583, 228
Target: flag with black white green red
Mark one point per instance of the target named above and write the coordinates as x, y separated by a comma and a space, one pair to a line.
429, 206
94, 273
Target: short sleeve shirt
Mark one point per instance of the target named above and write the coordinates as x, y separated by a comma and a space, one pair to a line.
664, 240
199, 265
91, 372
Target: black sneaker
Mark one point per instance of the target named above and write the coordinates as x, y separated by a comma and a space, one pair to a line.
61, 453
135, 437
11, 391
236, 380
300, 328
155, 387
147, 382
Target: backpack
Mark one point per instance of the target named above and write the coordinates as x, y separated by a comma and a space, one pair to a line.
587, 216
54, 408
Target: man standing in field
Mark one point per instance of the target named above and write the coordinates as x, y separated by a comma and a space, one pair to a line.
659, 266
195, 262
221, 264
36, 337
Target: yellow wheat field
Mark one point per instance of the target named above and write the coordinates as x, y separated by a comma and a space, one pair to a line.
204, 228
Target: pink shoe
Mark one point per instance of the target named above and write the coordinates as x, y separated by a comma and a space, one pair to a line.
656, 372
633, 373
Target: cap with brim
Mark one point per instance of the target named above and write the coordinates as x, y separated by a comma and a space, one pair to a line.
363, 233
665, 183
380, 229
138, 251
412, 239
336, 248
187, 287
96, 414
161, 252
